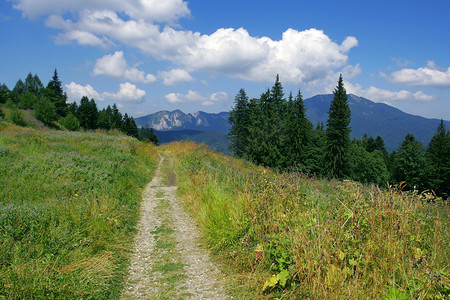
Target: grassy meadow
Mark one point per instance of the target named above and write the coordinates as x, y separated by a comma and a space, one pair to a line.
289, 236
69, 202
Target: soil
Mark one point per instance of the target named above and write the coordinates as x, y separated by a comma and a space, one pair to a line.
169, 260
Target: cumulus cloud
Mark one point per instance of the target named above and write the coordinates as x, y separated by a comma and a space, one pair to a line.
82, 38
175, 76
194, 96
431, 75
382, 95
116, 66
76, 91
127, 92
149, 10
301, 56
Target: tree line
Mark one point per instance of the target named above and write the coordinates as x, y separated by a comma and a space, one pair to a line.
50, 105
273, 131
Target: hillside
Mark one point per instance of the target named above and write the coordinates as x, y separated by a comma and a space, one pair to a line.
289, 236
69, 203
367, 117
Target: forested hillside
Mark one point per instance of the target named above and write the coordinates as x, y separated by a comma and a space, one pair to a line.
274, 131
49, 105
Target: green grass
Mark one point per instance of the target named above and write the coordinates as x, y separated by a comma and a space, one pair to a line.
68, 206
291, 236
166, 257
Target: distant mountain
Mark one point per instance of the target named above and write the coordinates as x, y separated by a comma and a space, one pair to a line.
375, 119
177, 120
215, 140
367, 117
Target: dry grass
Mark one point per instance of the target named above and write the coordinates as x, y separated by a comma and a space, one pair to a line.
314, 238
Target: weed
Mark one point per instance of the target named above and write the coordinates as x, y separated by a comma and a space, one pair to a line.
69, 204
293, 236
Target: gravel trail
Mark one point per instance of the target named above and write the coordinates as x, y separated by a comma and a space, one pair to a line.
168, 260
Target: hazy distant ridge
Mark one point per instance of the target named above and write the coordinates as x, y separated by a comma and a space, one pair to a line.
368, 117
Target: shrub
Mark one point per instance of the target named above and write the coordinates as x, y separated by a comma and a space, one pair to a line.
27, 100
17, 117
70, 122
2, 114
45, 111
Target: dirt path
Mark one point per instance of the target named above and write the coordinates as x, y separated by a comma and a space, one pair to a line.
168, 261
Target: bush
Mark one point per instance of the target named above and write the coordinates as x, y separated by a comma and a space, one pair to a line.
17, 117
45, 111
27, 100
70, 122
2, 114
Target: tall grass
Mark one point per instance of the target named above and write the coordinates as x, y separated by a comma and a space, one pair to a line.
291, 236
68, 206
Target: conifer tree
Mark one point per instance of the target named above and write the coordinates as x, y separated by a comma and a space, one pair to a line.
57, 95
4, 93
116, 118
437, 169
104, 118
338, 134
87, 113
409, 162
238, 118
298, 130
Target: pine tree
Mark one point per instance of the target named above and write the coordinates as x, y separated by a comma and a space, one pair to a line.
239, 120
338, 134
146, 134
409, 162
18, 90
4, 93
104, 118
87, 113
437, 169
297, 131
116, 118
56, 94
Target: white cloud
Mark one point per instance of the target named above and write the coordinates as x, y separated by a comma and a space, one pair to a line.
175, 76
300, 56
149, 10
194, 96
431, 75
116, 66
128, 92
82, 38
76, 91
382, 95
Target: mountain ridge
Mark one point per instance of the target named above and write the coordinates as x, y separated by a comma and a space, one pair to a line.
372, 118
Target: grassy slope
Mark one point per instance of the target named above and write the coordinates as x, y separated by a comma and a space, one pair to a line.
307, 238
68, 206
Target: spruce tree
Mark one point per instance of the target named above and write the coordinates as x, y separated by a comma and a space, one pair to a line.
4, 93
238, 118
116, 118
57, 95
297, 131
338, 135
409, 162
437, 169
87, 113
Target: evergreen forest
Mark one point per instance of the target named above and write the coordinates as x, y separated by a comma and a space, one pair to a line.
51, 107
273, 131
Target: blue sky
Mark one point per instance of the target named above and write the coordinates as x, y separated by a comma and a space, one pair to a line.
151, 55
